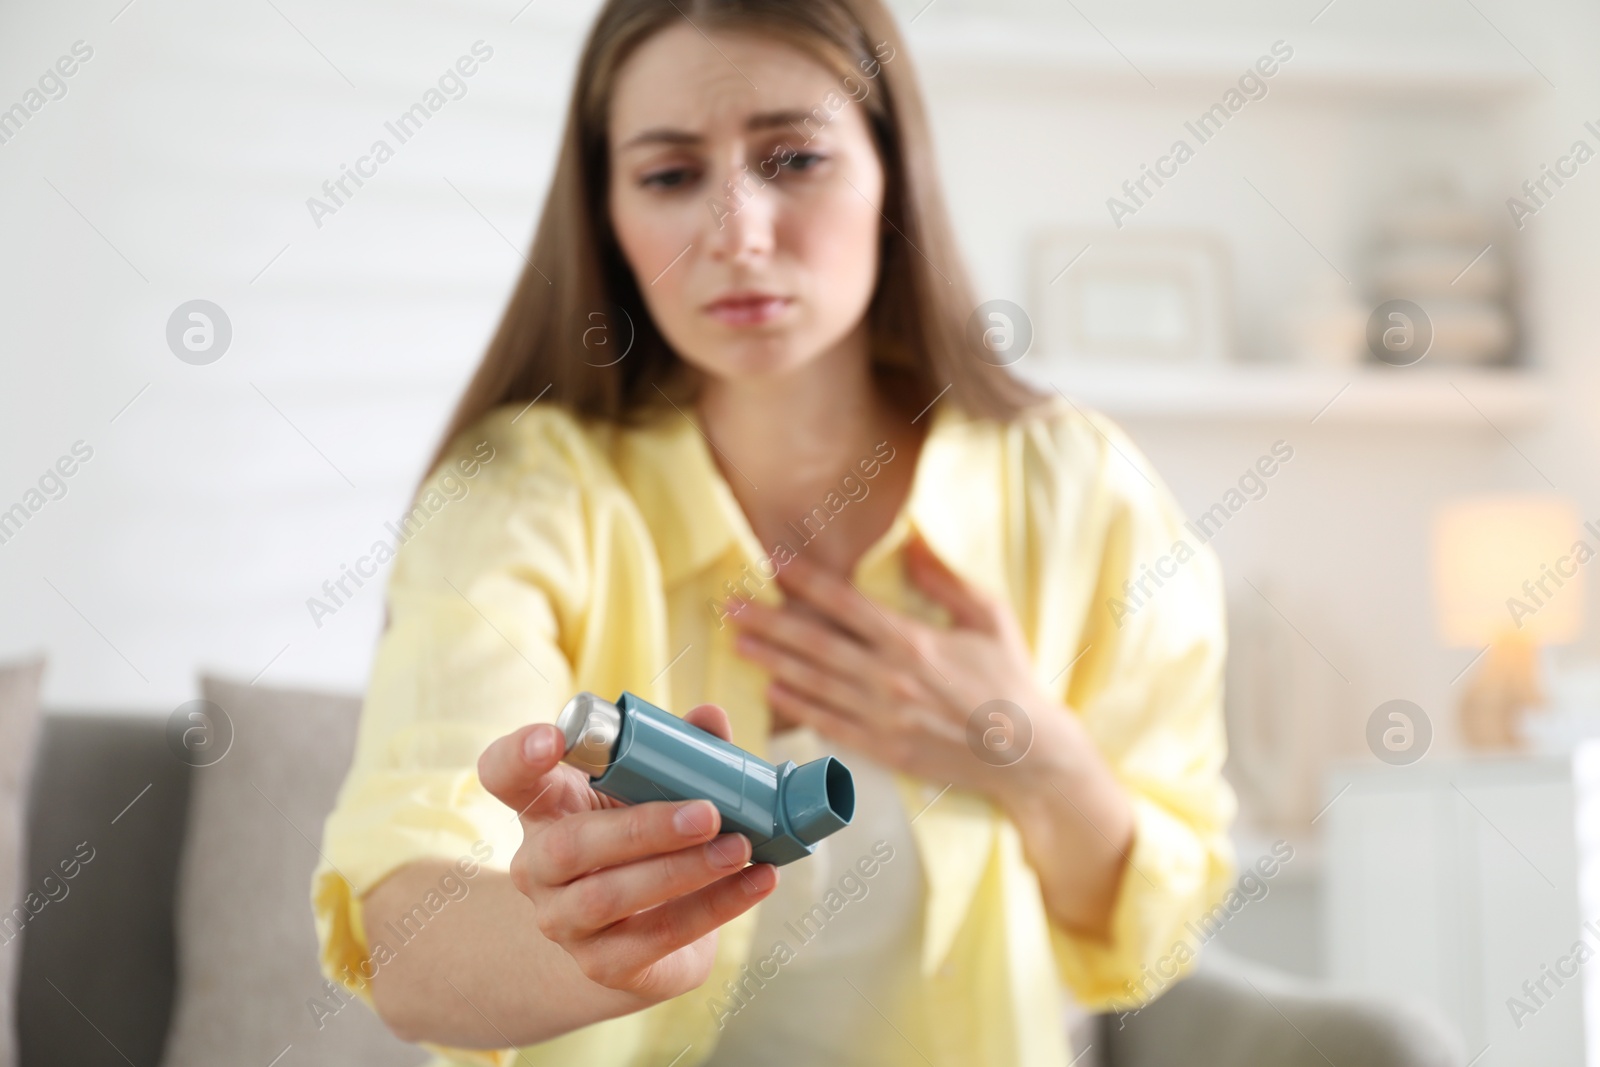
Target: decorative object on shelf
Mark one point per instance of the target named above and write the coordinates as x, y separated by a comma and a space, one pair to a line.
1281, 703
1329, 327
1436, 250
1158, 296
1571, 714
1508, 574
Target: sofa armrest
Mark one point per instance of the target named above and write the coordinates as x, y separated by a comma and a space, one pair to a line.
1231, 1012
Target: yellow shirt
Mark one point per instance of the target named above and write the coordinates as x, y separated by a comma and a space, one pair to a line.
552, 555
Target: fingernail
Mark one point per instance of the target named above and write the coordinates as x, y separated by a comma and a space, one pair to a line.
694, 819
538, 746
729, 853
760, 878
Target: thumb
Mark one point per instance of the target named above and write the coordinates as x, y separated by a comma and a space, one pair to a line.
970, 607
523, 768
712, 719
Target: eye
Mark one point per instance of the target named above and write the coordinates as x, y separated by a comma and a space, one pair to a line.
670, 178
804, 161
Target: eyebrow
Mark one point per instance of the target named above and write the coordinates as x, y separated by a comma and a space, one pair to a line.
764, 120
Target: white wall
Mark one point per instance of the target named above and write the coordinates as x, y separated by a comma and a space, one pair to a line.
226, 494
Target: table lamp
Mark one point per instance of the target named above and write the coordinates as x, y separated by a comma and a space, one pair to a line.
1508, 574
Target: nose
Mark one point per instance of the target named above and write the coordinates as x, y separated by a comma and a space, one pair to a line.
742, 218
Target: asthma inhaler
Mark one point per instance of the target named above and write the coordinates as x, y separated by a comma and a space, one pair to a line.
635, 752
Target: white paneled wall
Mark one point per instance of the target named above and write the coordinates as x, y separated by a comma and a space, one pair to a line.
224, 495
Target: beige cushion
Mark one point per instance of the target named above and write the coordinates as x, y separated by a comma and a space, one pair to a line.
19, 723
247, 951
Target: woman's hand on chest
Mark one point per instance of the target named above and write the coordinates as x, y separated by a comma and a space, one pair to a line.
919, 698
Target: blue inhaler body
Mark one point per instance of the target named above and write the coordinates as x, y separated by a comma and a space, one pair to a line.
636, 752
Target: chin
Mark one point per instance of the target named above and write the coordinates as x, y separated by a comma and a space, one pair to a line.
754, 357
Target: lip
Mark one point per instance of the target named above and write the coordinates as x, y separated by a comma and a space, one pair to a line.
748, 307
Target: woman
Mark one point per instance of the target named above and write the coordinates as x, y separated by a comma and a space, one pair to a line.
733, 449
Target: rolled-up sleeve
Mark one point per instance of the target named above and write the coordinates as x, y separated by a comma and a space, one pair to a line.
505, 572
1149, 690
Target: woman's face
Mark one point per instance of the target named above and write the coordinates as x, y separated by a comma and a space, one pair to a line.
750, 217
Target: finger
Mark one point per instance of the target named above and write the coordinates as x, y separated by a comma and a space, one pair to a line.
807, 676
969, 606
522, 770
712, 719
607, 897
838, 600
574, 846
821, 718
662, 931
811, 639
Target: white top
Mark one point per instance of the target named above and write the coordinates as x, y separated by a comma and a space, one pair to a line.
833, 964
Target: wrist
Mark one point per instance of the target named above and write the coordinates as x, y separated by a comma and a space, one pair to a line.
1063, 775
1056, 755
1075, 818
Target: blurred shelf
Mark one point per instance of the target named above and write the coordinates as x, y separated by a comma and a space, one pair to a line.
1398, 396
995, 53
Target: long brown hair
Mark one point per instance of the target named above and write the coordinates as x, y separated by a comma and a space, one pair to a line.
918, 317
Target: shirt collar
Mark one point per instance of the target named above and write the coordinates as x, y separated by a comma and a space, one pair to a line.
695, 519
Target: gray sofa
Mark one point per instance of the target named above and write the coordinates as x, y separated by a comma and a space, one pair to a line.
98, 976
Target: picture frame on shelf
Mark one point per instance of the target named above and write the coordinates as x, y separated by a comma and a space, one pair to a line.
1157, 297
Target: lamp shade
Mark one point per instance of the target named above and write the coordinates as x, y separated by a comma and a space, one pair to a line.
1510, 566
